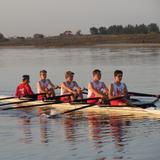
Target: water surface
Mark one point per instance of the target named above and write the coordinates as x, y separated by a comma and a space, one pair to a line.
88, 136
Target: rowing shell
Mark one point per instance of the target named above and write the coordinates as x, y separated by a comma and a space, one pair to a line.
105, 109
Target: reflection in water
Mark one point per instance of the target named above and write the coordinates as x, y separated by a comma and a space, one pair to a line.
97, 128
25, 123
80, 136
102, 127
44, 130
118, 131
24, 120
103, 130
26, 126
71, 124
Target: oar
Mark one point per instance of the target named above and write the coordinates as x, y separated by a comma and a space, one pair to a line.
136, 94
144, 105
28, 106
24, 99
83, 107
19, 102
35, 105
30, 96
142, 94
7, 98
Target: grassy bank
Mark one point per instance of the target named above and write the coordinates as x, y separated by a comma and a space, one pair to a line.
84, 40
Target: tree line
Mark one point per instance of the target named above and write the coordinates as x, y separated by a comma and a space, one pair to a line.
129, 29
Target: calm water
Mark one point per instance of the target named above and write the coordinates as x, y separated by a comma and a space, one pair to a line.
24, 135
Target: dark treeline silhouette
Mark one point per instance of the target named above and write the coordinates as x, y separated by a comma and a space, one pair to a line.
129, 29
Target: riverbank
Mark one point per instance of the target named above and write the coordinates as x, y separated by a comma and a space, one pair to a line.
132, 40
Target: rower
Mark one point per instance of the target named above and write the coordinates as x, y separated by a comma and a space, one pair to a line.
44, 85
96, 88
117, 89
70, 87
24, 89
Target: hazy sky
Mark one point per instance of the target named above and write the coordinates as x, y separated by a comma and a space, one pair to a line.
51, 17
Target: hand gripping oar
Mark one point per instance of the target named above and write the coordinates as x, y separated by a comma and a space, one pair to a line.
36, 105
83, 107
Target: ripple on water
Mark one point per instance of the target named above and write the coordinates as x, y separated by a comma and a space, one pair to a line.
87, 136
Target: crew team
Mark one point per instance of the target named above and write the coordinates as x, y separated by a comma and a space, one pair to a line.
96, 89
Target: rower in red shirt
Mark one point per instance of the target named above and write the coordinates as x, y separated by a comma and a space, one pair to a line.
24, 89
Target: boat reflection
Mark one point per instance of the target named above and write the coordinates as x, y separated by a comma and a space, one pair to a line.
101, 128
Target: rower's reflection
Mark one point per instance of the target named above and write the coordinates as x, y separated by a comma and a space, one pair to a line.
71, 122
117, 127
44, 130
97, 126
70, 125
102, 126
25, 126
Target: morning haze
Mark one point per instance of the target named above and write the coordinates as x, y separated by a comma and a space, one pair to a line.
51, 17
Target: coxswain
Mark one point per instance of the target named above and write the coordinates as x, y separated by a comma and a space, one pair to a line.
24, 89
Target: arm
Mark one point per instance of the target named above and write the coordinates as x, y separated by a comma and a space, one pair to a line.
110, 93
125, 90
52, 85
40, 88
97, 94
78, 89
106, 90
30, 90
67, 88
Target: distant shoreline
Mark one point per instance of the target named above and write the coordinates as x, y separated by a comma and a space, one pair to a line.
117, 45
100, 41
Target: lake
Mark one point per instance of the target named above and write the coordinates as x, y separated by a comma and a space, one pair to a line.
88, 136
